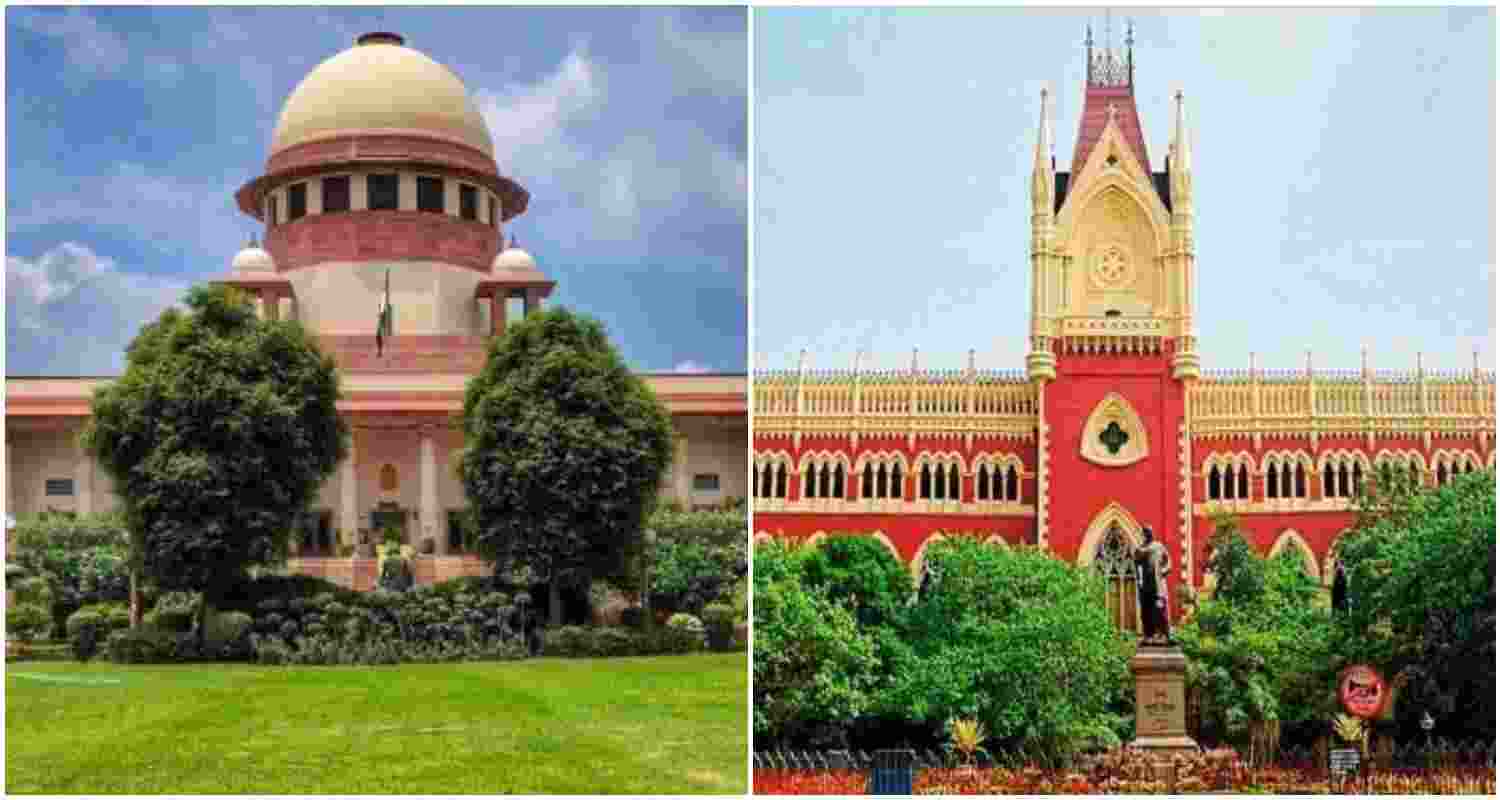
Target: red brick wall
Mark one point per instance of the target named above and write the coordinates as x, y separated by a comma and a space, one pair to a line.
359, 236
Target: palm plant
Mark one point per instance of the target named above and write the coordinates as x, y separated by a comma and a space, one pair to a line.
967, 737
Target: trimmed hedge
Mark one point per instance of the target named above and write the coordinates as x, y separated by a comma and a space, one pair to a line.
718, 624
88, 627
576, 641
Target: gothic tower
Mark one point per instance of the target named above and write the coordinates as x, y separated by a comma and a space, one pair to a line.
1111, 322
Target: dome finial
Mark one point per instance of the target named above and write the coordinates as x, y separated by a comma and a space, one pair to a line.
381, 37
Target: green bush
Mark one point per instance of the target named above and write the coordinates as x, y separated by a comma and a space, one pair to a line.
812, 663
227, 636
25, 622
569, 641
1015, 638
686, 633
145, 644
90, 626
174, 611
608, 641
860, 572
74, 560
718, 623
697, 558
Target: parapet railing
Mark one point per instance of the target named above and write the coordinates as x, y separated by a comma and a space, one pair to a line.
1255, 401
823, 400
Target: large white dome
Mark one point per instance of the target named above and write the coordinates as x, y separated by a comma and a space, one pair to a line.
380, 85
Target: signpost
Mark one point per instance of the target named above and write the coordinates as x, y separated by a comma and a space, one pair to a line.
1343, 763
1362, 691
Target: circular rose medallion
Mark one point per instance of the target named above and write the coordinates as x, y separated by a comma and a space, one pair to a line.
1111, 266
1362, 691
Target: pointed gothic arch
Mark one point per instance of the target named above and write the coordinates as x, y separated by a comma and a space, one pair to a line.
919, 560
1293, 539
1114, 513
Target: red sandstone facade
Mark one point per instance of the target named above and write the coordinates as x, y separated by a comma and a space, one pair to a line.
1112, 427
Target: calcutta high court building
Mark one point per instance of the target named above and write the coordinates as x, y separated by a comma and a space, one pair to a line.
381, 165
1114, 425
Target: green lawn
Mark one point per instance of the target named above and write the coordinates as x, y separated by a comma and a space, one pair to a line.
661, 725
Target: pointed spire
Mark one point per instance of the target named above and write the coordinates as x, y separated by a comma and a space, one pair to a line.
1044, 138
914, 361
1182, 149
802, 361
1364, 361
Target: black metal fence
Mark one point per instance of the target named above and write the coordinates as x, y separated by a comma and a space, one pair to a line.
1440, 753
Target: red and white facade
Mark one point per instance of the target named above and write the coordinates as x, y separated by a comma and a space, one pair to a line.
1112, 426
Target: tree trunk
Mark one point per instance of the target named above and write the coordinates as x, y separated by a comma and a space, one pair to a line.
135, 599
554, 603
202, 625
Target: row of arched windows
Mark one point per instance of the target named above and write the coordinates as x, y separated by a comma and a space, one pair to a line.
1340, 474
827, 477
997, 483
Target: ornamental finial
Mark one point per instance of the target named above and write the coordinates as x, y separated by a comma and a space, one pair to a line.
971, 360
914, 360
1364, 360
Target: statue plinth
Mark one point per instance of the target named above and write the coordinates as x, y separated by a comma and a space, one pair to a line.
1161, 701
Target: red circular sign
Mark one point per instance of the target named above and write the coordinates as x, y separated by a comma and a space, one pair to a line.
1362, 691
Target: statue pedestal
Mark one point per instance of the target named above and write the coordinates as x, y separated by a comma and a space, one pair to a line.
1161, 701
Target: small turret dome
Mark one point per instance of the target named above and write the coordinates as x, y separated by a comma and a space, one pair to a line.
513, 260
253, 259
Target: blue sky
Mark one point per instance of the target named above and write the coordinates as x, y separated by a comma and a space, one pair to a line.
1344, 179
128, 131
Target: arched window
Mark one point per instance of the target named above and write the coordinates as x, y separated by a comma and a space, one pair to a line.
867, 491
955, 492
1343, 479
1213, 482
1273, 482
898, 489
809, 484
882, 487
1301, 481
926, 482
1359, 478
1328, 488
1114, 561
1442, 472
982, 485
838, 481
1244, 487
781, 480
1012, 485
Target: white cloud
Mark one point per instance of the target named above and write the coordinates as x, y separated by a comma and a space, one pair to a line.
705, 60
691, 367
91, 50
527, 121
152, 206
72, 311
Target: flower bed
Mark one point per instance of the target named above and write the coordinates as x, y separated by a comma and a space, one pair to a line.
1129, 772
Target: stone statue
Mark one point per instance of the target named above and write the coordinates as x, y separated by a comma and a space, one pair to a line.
1152, 563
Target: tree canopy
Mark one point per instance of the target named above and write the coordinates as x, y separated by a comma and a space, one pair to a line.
564, 450
1421, 569
217, 437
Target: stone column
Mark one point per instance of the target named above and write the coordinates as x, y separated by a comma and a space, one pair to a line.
10, 480
497, 313
84, 477
349, 494
684, 488
429, 498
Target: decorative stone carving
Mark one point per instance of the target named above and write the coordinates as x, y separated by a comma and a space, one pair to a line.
1161, 701
1114, 435
1112, 268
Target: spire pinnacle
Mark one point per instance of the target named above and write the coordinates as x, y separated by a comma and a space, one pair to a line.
1106, 69
1182, 149
1044, 138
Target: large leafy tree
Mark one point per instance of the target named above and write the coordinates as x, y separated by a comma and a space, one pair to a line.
1016, 639
814, 666
860, 571
1421, 569
1260, 648
564, 451
217, 436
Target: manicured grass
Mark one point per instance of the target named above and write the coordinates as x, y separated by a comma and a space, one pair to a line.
661, 725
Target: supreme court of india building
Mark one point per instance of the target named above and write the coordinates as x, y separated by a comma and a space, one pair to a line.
1114, 425
381, 165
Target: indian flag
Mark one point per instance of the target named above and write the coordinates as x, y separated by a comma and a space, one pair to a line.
387, 313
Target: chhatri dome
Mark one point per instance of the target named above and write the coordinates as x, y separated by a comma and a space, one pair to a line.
253, 259
380, 85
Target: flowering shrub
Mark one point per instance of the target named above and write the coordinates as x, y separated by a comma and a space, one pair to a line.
1128, 771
